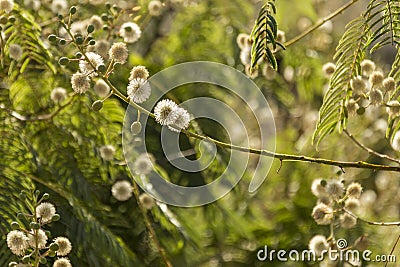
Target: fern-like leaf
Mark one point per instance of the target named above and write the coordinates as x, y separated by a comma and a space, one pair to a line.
349, 54
264, 35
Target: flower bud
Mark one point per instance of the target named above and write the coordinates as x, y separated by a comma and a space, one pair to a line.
136, 127
72, 10
15, 225
63, 61
97, 105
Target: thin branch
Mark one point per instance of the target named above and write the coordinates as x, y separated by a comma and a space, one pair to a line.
393, 248
337, 12
369, 150
371, 222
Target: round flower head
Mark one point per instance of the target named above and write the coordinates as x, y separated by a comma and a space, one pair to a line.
80, 83
155, 8
143, 164
64, 246
122, 190
322, 214
107, 152
352, 107
245, 55
334, 188
328, 68
163, 112
268, 72
95, 61
102, 47
139, 72
138, 90
15, 52
243, 40
376, 79
41, 239
96, 21
396, 141
6, 5
45, 211
317, 189
17, 242
389, 84
62, 262
367, 67
58, 94
182, 119
130, 31
325, 199
375, 97
119, 52
358, 85
251, 73
101, 88
59, 6
280, 36
347, 221
352, 204
354, 190
393, 108
318, 244
146, 201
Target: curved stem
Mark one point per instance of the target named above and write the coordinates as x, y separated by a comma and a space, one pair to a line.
337, 12
371, 222
369, 150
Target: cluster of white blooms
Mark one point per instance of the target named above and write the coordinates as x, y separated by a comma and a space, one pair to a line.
130, 32
167, 112
26, 242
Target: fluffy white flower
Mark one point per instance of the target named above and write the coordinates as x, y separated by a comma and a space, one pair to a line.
64, 246
80, 83
45, 211
322, 214
393, 108
139, 72
243, 40
6, 5
358, 85
163, 112
122, 190
41, 239
375, 97
328, 68
389, 84
17, 242
107, 152
334, 188
101, 88
130, 31
59, 6
119, 52
96, 21
352, 107
102, 47
354, 190
138, 90
58, 94
95, 61
318, 244
396, 141
15, 51
182, 119
155, 8
347, 221
376, 78
143, 164
367, 67
317, 189
245, 55
62, 262
146, 201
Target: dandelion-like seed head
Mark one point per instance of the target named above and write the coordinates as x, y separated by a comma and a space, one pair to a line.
335, 188
352, 107
367, 67
354, 190
101, 88
143, 164
107, 152
62, 262
130, 32
318, 244
182, 119
59, 6
102, 47
243, 40
146, 201
389, 84
328, 68
138, 90
322, 214
17, 242
95, 61
15, 51
358, 85
251, 73
376, 78
96, 21
317, 188
352, 204
139, 72
41, 238
163, 112
58, 94
80, 83
245, 55
64, 246
122, 190
375, 97
347, 221
45, 211
119, 52
268, 72
393, 108
6, 5
155, 8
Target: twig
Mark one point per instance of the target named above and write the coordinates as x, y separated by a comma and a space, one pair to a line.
371, 222
369, 150
319, 24
393, 248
